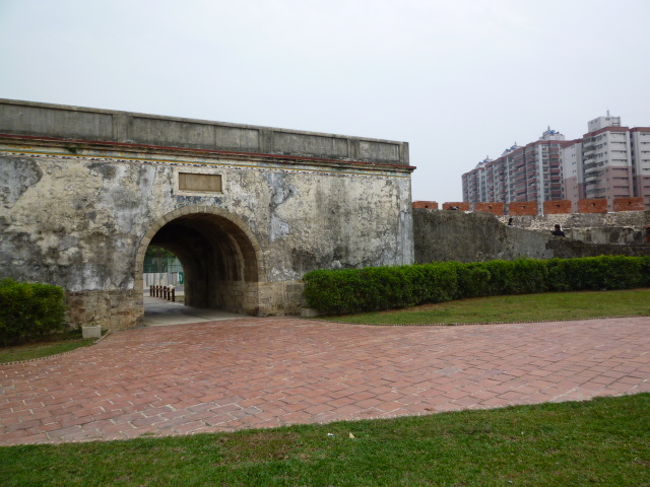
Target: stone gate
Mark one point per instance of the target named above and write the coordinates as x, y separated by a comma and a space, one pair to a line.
247, 209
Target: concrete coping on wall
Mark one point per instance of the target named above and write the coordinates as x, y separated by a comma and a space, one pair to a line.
91, 124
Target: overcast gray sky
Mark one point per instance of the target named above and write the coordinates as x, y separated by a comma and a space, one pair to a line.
458, 80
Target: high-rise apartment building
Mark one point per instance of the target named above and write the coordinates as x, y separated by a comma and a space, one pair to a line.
572, 173
606, 159
609, 161
640, 153
522, 173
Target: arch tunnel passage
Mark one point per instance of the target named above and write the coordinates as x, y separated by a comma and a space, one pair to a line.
218, 259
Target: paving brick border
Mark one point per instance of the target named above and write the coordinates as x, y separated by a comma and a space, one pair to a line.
479, 323
108, 332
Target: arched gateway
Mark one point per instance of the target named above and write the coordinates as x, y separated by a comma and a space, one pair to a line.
222, 260
248, 210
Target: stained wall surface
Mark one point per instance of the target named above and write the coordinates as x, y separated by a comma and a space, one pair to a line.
620, 228
473, 237
81, 215
69, 122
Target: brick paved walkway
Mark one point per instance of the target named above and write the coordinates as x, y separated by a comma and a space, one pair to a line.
263, 372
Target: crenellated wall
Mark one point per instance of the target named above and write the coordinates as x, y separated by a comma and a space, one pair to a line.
532, 208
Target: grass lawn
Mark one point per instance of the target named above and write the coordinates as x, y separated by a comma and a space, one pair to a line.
517, 308
604, 442
59, 344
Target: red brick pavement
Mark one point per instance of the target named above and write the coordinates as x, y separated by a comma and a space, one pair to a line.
264, 372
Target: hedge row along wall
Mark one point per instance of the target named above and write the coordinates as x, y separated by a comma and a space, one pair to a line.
29, 310
380, 288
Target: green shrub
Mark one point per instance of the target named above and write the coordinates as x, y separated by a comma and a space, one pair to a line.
473, 280
439, 282
29, 311
523, 276
380, 288
599, 273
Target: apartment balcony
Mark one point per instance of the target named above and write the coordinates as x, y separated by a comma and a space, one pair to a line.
593, 186
591, 165
593, 173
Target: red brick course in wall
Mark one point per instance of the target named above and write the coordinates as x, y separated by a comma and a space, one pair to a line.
429, 205
557, 207
457, 205
530, 208
495, 208
629, 204
596, 205
520, 208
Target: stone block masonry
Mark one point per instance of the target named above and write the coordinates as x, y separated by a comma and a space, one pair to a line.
41, 119
84, 192
613, 229
635, 221
485, 237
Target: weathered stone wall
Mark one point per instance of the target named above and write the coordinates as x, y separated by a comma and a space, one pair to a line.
60, 121
568, 248
583, 220
77, 217
626, 227
471, 237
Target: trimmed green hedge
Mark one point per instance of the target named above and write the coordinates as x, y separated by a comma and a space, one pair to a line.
29, 311
379, 288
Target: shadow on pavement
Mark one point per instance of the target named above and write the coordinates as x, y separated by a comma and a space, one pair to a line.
158, 312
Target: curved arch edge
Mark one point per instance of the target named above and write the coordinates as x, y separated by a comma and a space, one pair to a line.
250, 287
193, 210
